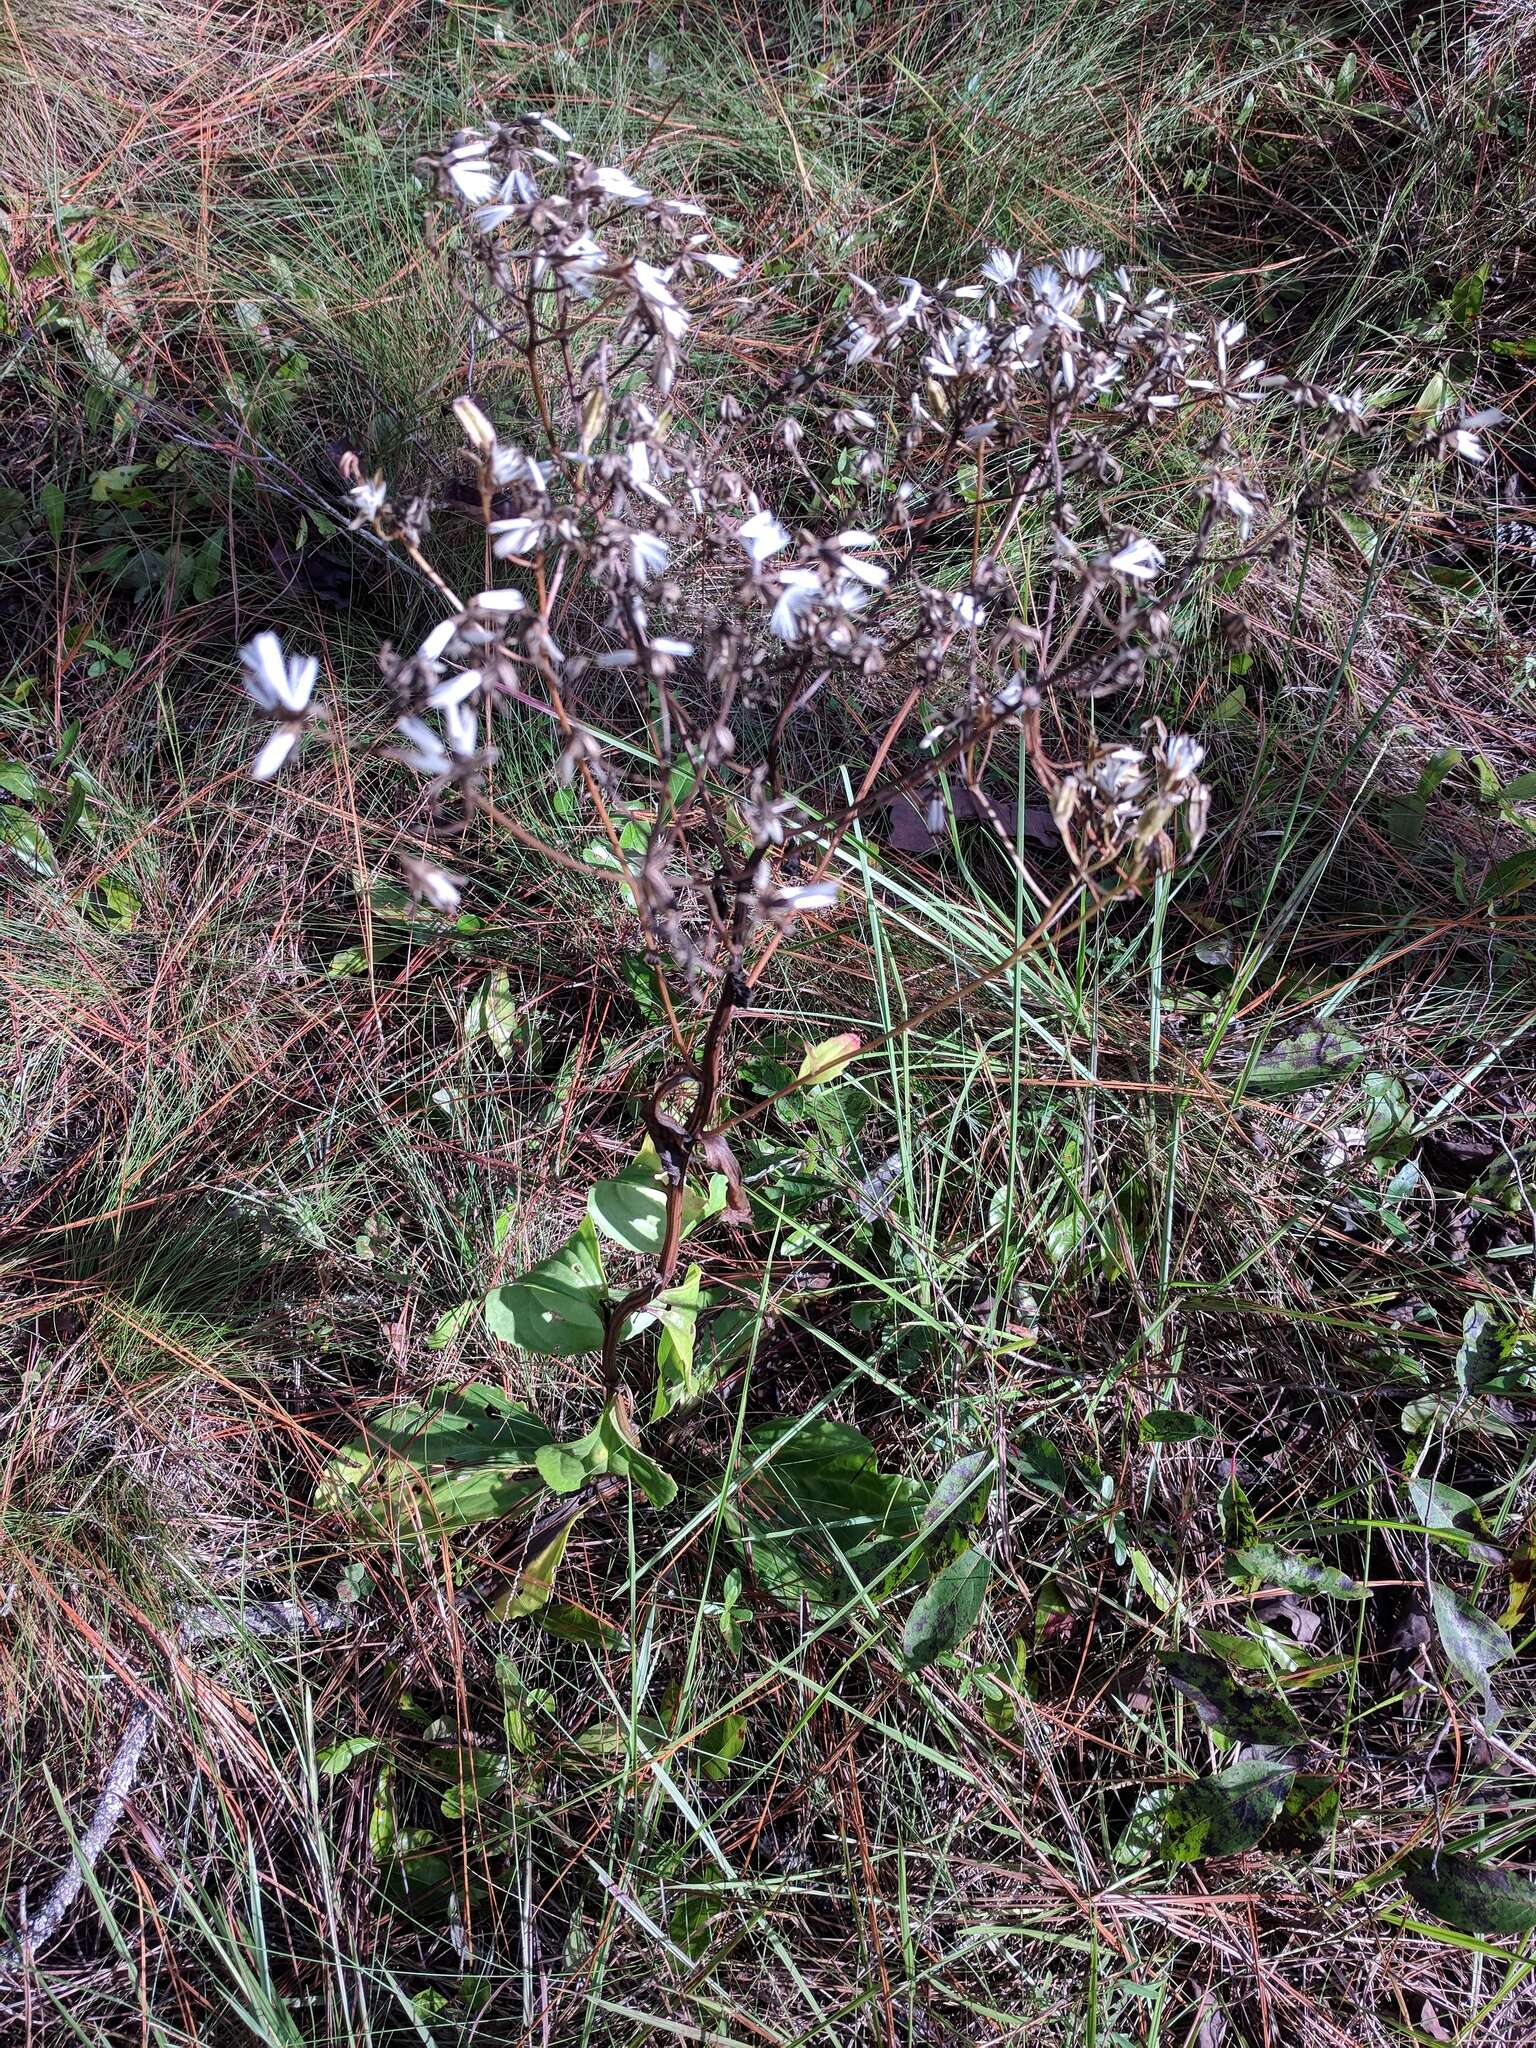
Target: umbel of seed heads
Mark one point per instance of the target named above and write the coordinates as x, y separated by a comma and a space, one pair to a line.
964, 537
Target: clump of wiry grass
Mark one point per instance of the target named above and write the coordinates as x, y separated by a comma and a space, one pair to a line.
245, 1187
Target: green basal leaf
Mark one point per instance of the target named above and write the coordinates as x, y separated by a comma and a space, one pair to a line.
677, 1313
1218, 1816
456, 1457
1236, 1711
1272, 1566
1173, 1426
1479, 1898
609, 1446
1238, 1525
947, 1609
720, 1744
1473, 1643
536, 1580
556, 1307
631, 1209
828, 1061
449, 1325
820, 1520
330, 1763
1454, 1517
692, 1918
1302, 1061
1308, 1817
962, 1493
577, 1625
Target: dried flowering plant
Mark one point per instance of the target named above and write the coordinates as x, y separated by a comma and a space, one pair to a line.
938, 511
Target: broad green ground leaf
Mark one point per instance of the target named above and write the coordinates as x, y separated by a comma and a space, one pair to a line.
828, 1060
632, 1207
1173, 1426
692, 1918
1510, 877
609, 1446
1387, 1110
114, 906
1272, 1566
1308, 1816
474, 1775
1360, 531
1479, 1898
579, 1625
556, 1307
732, 1613
1302, 1061
947, 1609
720, 1744
820, 1519
1234, 1710
27, 840
1238, 1525
456, 1457
1454, 1517
381, 1817
1157, 1586
677, 1314
1246, 1652
1038, 1463
342, 1755
566, 1468
448, 1326
999, 1684
1473, 1643
1218, 1816
535, 1581
495, 1014
962, 1493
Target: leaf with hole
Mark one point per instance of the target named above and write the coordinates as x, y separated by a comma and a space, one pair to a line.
1234, 1710
947, 1609
556, 1307
1479, 1898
